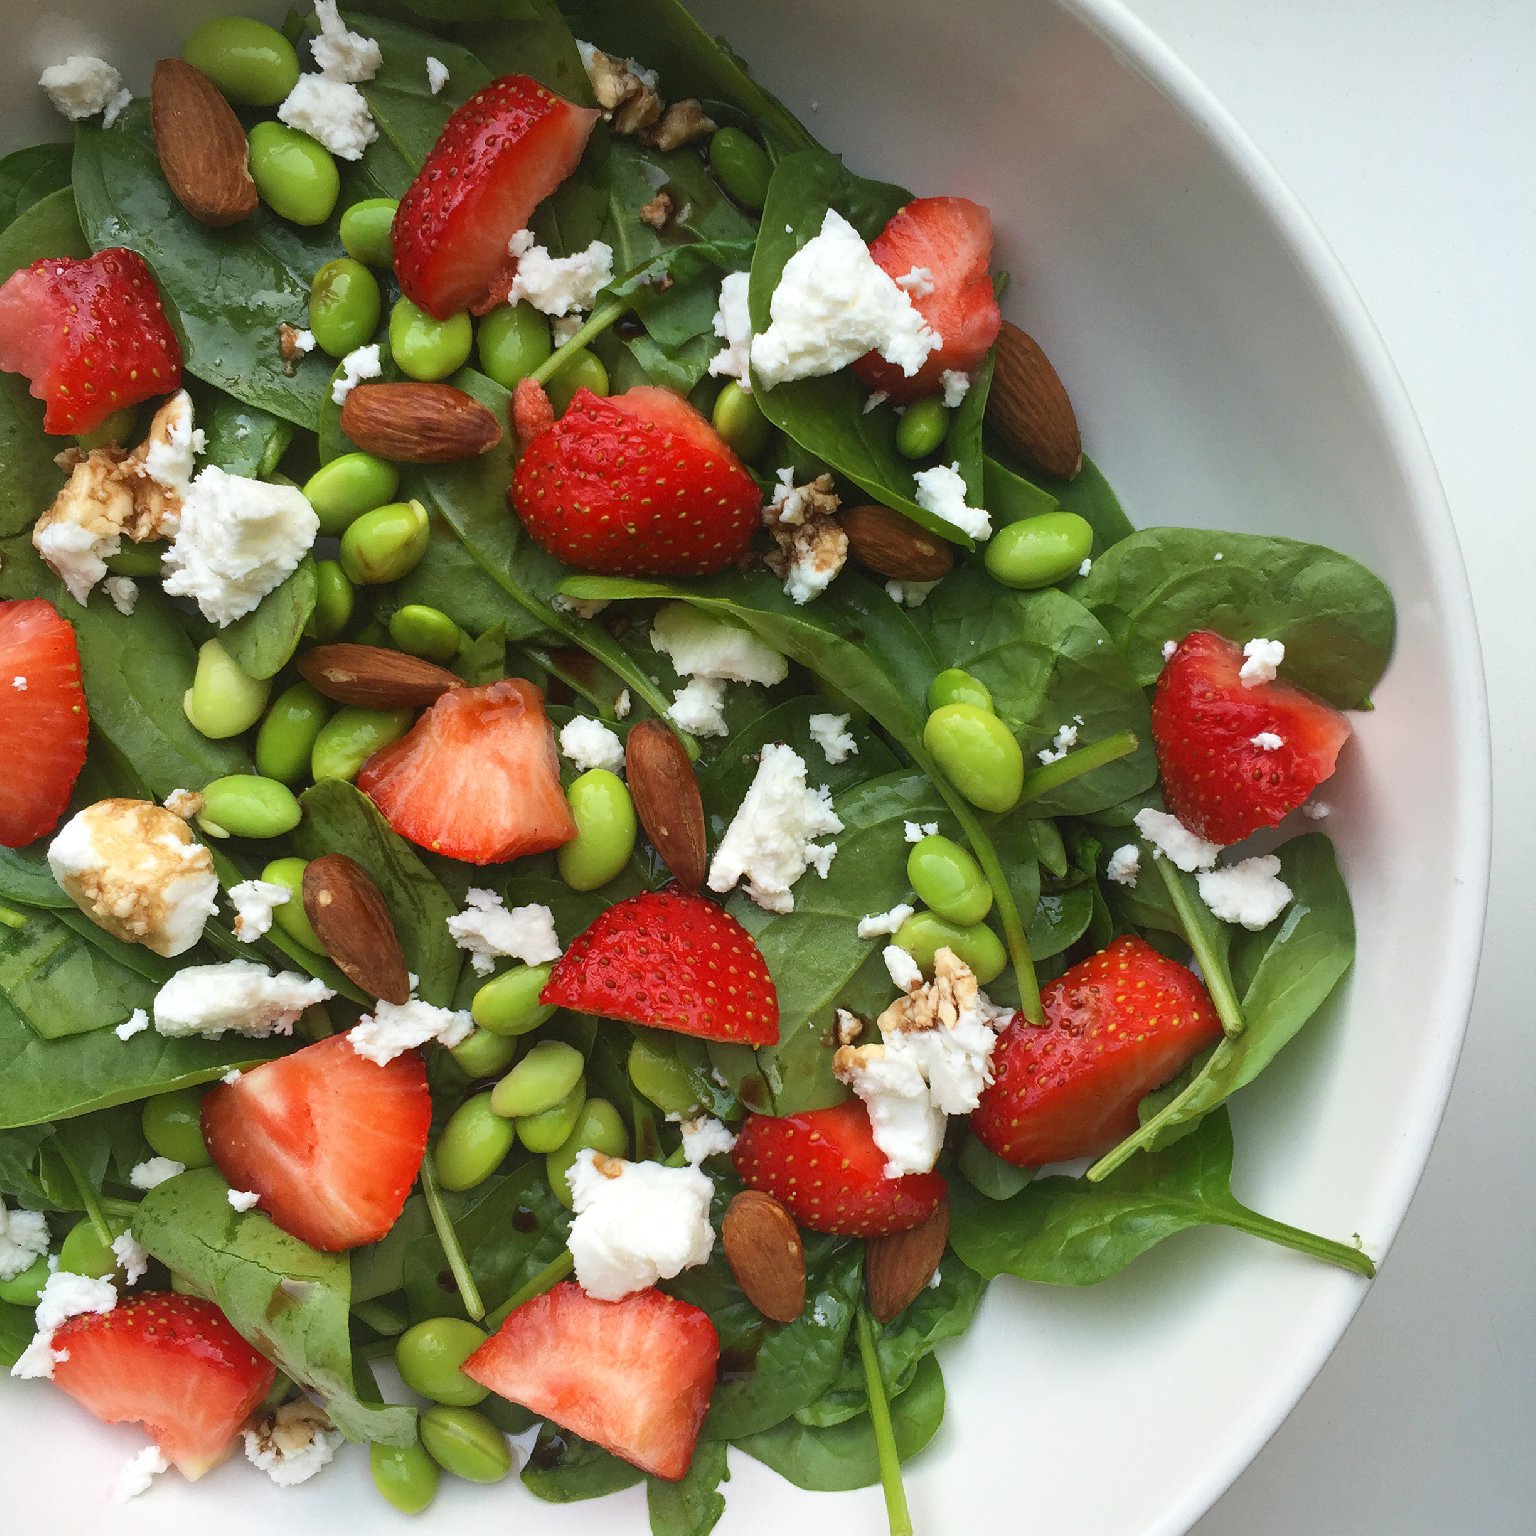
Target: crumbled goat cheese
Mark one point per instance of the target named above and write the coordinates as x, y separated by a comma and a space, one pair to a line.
909, 594
1316, 810
940, 490
135, 1024
700, 645
957, 386
1065, 740
334, 112
185, 803
303, 342
244, 1199
77, 555
918, 282
881, 923
621, 705
340, 53
636, 1223
23, 1240
1171, 838
1261, 662
874, 401
1249, 892
232, 1077
699, 708
705, 1137
905, 973
490, 931
1124, 864
394, 1028
733, 325
1267, 741
236, 995
132, 1257
916, 831
833, 303
254, 902
558, 285
136, 870
63, 1296
811, 547
1085, 568
849, 1027
831, 734
19, 683
123, 591
362, 363
1169, 647
293, 1444
138, 1473
588, 743
769, 841
578, 607
437, 75
82, 86
154, 1171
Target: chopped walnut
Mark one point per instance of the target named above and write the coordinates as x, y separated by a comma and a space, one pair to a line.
849, 1027
684, 122
185, 803
658, 212
812, 547
290, 345
162, 467
953, 991
294, 1443
622, 88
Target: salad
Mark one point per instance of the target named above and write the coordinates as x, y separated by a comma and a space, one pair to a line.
609, 819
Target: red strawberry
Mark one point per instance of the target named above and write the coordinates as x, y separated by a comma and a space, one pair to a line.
637, 484
172, 1363
90, 335
674, 961
43, 719
1117, 1025
501, 154
633, 1376
951, 238
823, 1166
331, 1141
476, 777
1204, 721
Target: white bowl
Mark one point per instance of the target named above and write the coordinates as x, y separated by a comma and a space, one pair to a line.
1226, 376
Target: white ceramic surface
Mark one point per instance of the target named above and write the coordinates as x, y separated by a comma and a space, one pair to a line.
1226, 377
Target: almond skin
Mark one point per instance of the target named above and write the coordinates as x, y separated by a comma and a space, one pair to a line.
893, 545
667, 800
897, 1267
374, 677
350, 919
1028, 406
764, 1249
201, 145
418, 423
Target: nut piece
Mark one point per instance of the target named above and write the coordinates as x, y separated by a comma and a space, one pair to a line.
374, 677
1028, 406
899, 1266
350, 919
894, 546
763, 1247
684, 122
201, 145
418, 423
667, 801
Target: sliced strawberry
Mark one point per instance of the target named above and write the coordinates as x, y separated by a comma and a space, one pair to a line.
674, 961
823, 1166
637, 484
950, 238
43, 719
633, 1376
171, 1363
90, 335
1117, 1025
331, 1141
476, 778
501, 154
1224, 775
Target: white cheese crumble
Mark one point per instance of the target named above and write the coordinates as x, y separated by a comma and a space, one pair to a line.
138, 1473
244, 1199
437, 75
232, 1077
293, 1444
254, 902
154, 1171
1085, 568
699, 708
1250, 892
394, 1028
82, 86
916, 831
1261, 662
334, 112
558, 285
879, 924
77, 554
19, 683
1171, 838
831, 734
236, 995
588, 743
621, 705
811, 547
1267, 741
700, 645
360, 364
918, 282
874, 401
1169, 647
343, 54
1065, 739
733, 325
769, 841
705, 1137
23, 1240
303, 342
957, 385
132, 1257
135, 1024
1316, 810
490, 931
905, 973
123, 592
909, 594
64, 1295
940, 490
1124, 865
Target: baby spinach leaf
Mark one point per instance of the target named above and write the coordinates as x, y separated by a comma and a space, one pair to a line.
16, 1330
530, 37
241, 439
449, 577
1062, 916
694, 1505
1010, 497
61, 984
289, 1301
962, 439
1014, 493
29, 175
265, 639
50, 227
563, 1468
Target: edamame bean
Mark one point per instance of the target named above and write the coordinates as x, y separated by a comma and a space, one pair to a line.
83, 1253
544, 1132
924, 934
113, 430
473, 1143
949, 880
978, 754
605, 830
367, 231
483, 1054
509, 1004
248, 805
658, 1075
741, 166
351, 736
291, 916
1039, 551
385, 544
922, 428
540, 1081
426, 632
251, 63
351, 484
137, 560
404, 1474
739, 419
173, 1127
952, 686
513, 341
334, 601
465, 1443
344, 305
223, 700
286, 740
599, 1126
295, 176
583, 369
426, 347
23, 1290
429, 1358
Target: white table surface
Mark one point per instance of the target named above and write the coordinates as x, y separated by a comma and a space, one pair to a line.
1408, 128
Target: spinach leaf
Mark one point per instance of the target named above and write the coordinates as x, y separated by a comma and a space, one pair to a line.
29, 175
265, 639
1014, 493
16, 1330
563, 1468
530, 37
241, 438
50, 227
289, 1301
693, 1506
450, 578
59, 984
1010, 497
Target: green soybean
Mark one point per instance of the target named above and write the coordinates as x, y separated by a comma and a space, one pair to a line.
922, 428
978, 754
509, 1004
426, 632
251, 63
659, 1076
83, 1253
741, 166
513, 341
424, 346
924, 934
334, 601
23, 1290
351, 736
386, 543
550, 1128
351, 484
482, 1054
344, 305
114, 430
367, 231
1039, 551
465, 1443
430, 1357
583, 369
291, 916
295, 177
949, 880
474, 1141
605, 830
173, 1127
952, 686
248, 805
599, 1126
739, 419
405, 1474
286, 740
223, 700
540, 1081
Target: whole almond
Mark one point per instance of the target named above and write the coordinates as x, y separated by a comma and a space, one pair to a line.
897, 1267
1028, 406
763, 1247
893, 545
352, 922
201, 145
667, 800
374, 677
418, 423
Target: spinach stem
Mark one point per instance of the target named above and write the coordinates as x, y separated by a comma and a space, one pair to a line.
469, 1292
885, 1436
115, 1207
597, 322
546, 1279
12, 918
88, 1200
1042, 780
1142, 1137
1345, 1255
1213, 963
